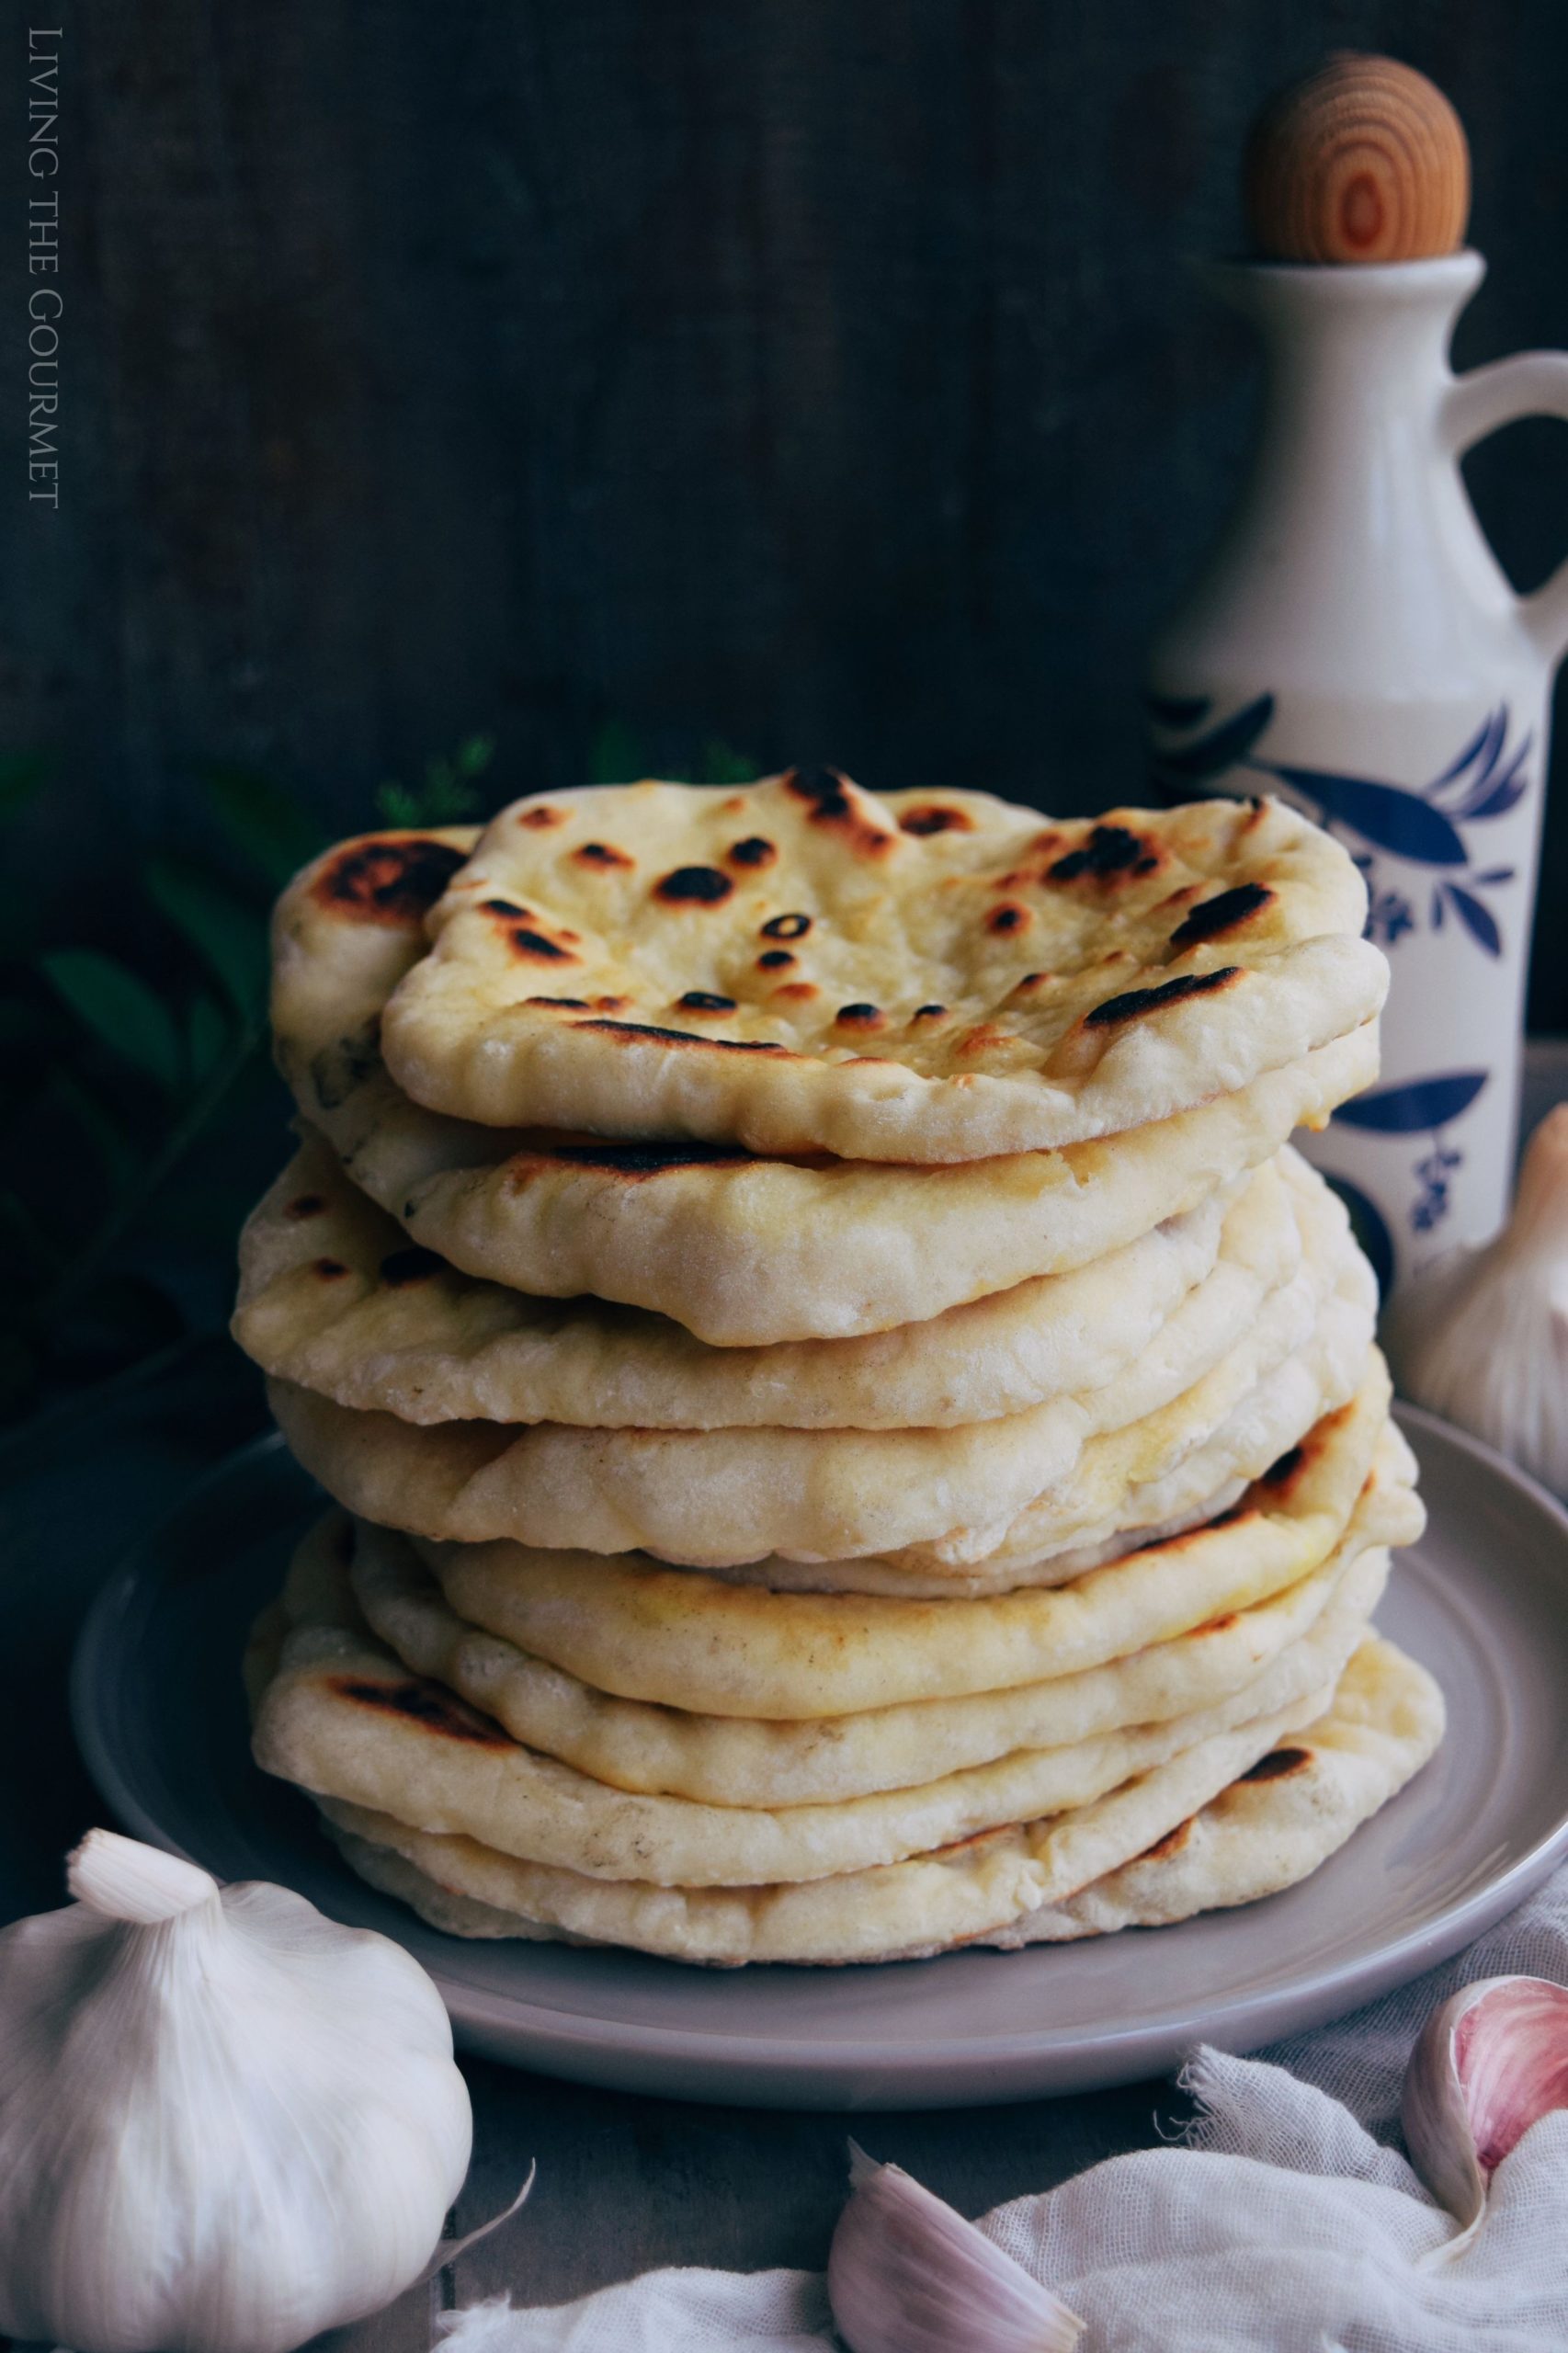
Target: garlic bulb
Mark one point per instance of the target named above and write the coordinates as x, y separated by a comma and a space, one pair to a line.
1489, 2064
225, 2122
1481, 1336
905, 2274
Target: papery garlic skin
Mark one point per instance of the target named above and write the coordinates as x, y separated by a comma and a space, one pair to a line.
1490, 2062
224, 2127
1481, 1336
905, 2274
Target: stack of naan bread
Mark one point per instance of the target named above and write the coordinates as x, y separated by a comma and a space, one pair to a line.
853, 1431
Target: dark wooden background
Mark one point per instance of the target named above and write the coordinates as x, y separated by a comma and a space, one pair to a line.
819, 376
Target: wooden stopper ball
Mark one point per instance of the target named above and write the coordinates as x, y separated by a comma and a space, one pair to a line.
1364, 161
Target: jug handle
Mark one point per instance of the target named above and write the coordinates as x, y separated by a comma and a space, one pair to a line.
1533, 383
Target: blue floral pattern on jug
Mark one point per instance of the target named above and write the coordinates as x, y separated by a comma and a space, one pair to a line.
1417, 1107
1485, 780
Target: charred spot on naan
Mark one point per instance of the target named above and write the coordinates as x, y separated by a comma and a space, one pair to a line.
860, 1016
842, 810
1230, 1517
754, 852
1227, 912
1079, 1048
392, 879
531, 945
415, 1264
1133, 1003
631, 1030
601, 858
428, 1705
788, 927
303, 1206
935, 817
1008, 919
539, 815
1110, 856
704, 1000
693, 886
328, 1270
1277, 1766
1283, 1477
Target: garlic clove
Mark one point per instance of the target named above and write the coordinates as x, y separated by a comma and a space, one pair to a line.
1490, 2062
125, 1880
1481, 1336
905, 2274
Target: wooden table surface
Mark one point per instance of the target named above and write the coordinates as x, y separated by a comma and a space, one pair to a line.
624, 2182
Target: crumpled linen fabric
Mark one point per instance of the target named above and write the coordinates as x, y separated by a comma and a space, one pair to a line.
1287, 2221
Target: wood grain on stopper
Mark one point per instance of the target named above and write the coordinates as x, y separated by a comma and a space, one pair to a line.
1365, 161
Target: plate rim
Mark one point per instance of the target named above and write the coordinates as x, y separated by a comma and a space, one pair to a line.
896, 2074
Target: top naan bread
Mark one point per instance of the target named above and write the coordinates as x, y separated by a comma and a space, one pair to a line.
920, 976
742, 1249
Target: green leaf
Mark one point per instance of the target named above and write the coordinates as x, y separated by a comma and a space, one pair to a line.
267, 824
396, 805
207, 1034
444, 796
721, 763
230, 940
615, 755
119, 1008
446, 799
21, 775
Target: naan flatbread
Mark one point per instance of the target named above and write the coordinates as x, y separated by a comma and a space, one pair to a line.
803, 966
986, 1889
716, 1497
743, 1251
733, 1760
342, 1718
681, 1639
333, 1298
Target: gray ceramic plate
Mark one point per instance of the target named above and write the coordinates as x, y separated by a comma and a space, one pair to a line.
1482, 1601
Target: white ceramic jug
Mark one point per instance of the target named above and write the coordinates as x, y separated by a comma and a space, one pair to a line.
1354, 646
